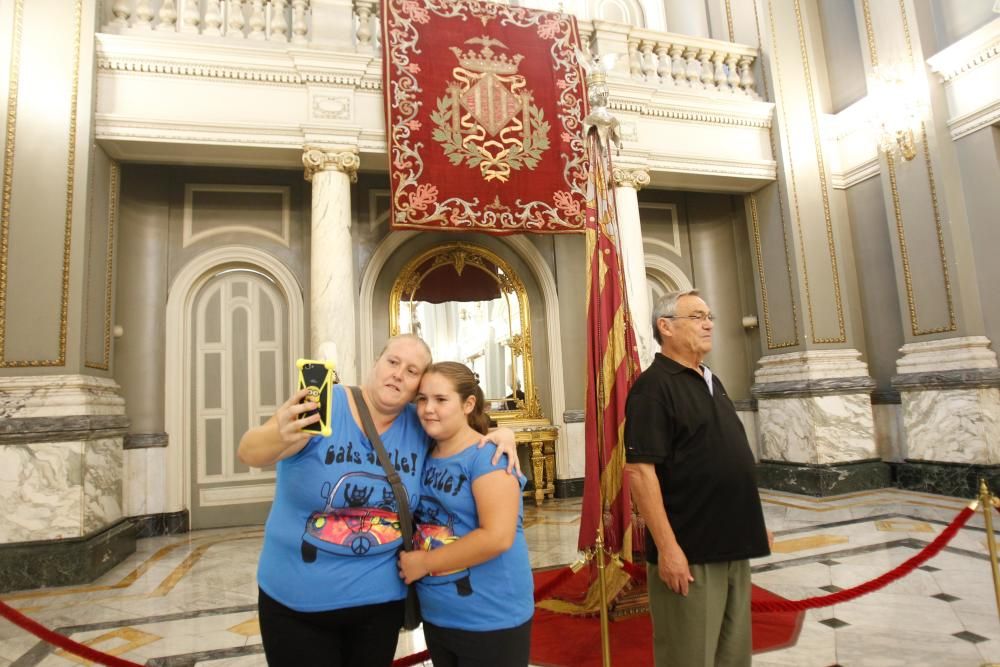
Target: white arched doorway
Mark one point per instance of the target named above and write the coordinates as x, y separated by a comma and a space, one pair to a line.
234, 329
546, 283
662, 276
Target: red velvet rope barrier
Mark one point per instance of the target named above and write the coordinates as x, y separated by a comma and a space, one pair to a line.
63, 642
635, 571
413, 659
639, 574
902, 570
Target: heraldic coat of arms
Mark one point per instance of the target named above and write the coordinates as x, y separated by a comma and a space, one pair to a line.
486, 118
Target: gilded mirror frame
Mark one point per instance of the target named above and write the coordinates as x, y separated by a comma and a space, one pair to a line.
462, 256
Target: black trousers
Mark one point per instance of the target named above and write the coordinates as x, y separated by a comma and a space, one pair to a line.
465, 648
362, 636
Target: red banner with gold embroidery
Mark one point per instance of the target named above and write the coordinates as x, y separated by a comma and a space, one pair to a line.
484, 108
612, 367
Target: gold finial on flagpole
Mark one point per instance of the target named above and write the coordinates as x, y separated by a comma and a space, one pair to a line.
600, 117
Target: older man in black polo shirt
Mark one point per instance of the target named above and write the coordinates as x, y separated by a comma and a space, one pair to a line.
692, 475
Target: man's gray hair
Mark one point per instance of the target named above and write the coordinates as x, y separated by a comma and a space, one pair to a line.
666, 306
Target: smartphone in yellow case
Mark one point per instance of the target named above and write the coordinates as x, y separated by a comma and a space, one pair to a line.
318, 377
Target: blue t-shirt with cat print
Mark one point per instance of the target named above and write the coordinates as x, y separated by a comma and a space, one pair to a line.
332, 537
494, 595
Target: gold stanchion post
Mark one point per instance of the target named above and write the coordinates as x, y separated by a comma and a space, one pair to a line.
605, 631
986, 501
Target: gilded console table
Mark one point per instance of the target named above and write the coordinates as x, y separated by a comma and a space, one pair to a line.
541, 441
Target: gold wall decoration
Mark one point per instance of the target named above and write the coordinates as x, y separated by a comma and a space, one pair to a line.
758, 250
729, 20
461, 257
841, 336
755, 220
105, 364
911, 302
8, 177
8, 168
939, 228
869, 32
824, 194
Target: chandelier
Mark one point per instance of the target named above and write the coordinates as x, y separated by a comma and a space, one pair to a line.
898, 109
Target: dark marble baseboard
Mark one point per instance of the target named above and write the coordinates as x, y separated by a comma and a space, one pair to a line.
69, 428
886, 397
824, 480
167, 523
146, 440
65, 562
969, 378
803, 388
573, 417
569, 488
745, 404
950, 479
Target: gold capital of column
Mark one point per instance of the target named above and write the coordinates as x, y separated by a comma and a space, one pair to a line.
318, 159
636, 179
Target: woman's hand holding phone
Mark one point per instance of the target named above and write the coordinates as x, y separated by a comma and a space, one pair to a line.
292, 417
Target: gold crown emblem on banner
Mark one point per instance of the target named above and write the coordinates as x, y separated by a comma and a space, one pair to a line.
486, 59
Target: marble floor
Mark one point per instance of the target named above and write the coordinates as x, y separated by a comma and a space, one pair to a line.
188, 600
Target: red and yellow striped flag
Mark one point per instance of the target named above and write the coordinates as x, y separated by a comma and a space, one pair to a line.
612, 366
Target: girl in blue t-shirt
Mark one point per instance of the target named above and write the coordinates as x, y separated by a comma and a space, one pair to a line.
329, 595
471, 559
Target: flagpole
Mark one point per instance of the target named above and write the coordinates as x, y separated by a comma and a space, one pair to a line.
599, 544
605, 128
601, 581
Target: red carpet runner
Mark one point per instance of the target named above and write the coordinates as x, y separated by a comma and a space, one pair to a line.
559, 640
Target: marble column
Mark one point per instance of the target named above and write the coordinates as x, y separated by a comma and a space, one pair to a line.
947, 375
815, 416
716, 274
62, 419
333, 297
628, 182
61, 480
140, 351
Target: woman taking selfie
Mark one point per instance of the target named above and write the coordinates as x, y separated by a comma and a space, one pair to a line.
329, 593
471, 559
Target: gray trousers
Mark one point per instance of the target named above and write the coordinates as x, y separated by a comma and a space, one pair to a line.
708, 628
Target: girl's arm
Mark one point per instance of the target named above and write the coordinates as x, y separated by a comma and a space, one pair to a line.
506, 442
498, 498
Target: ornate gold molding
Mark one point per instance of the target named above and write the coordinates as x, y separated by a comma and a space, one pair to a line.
869, 32
758, 250
729, 20
897, 207
318, 159
636, 179
465, 256
7, 189
8, 168
842, 334
109, 269
771, 344
825, 194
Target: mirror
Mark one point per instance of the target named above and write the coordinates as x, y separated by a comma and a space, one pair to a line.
469, 306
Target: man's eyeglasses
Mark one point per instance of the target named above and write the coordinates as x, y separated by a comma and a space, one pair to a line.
699, 317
